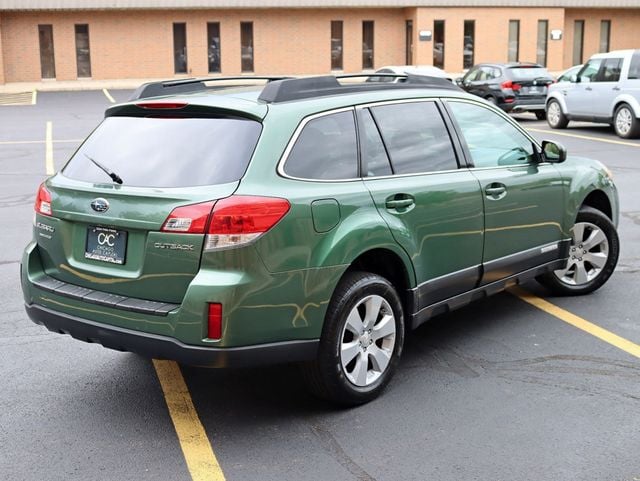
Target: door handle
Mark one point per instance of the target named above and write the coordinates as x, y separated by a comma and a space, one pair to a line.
616, 88
495, 190
399, 203
588, 89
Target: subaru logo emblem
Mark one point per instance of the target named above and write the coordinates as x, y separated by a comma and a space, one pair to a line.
100, 204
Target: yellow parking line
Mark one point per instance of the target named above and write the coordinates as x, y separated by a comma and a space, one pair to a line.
34, 96
109, 97
48, 156
576, 321
586, 137
198, 453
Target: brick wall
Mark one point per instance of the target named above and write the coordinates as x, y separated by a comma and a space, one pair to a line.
139, 44
625, 30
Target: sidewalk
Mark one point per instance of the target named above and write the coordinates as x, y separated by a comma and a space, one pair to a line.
67, 85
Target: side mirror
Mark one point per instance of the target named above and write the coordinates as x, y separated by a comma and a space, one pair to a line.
553, 152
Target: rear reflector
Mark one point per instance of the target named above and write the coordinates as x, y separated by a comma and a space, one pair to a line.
215, 321
188, 219
43, 201
162, 105
239, 220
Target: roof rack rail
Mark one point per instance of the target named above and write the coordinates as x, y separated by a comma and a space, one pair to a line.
188, 85
310, 87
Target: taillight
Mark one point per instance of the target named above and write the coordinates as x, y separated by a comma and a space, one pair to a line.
215, 321
239, 219
43, 201
510, 85
188, 219
162, 105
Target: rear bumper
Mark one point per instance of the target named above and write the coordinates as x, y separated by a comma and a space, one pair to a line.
524, 105
162, 347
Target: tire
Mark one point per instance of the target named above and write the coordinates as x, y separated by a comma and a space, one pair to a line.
593, 256
540, 114
362, 302
625, 123
555, 117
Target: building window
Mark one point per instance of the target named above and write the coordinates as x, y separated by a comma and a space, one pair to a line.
246, 46
578, 41
605, 35
438, 43
541, 50
336, 45
469, 41
213, 46
47, 59
180, 47
409, 42
514, 40
83, 56
367, 44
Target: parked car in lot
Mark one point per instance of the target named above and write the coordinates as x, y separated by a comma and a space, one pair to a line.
605, 90
514, 87
427, 70
307, 221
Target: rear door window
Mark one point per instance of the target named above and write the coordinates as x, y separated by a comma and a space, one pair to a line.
415, 137
610, 70
326, 149
166, 152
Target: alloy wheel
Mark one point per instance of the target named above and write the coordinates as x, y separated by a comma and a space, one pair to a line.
367, 341
624, 120
553, 113
588, 254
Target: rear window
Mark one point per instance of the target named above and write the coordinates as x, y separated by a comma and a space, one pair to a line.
166, 152
529, 73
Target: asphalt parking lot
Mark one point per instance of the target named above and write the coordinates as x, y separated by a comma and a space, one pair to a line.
500, 390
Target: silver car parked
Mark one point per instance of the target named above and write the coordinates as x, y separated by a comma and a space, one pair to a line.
605, 90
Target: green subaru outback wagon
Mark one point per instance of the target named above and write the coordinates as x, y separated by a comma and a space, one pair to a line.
314, 220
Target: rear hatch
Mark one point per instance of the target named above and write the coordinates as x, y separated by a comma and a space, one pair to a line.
119, 222
528, 81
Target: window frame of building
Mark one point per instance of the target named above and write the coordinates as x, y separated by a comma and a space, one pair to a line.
605, 36
469, 30
513, 54
439, 30
214, 50
578, 42
368, 45
83, 61
337, 45
542, 43
47, 51
247, 50
180, 59
408, 44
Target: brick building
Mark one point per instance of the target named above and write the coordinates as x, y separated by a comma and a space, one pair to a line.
106, 39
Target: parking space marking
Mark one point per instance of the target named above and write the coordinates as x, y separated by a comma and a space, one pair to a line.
586, 137
109, 97
576, 321
34, 97
197, 450
48, 155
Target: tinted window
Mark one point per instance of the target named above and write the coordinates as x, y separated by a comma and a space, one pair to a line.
590, 70
529, 73
610, 71
634, 68
326, 149
166, 152
374, 157
415, 137
492, 141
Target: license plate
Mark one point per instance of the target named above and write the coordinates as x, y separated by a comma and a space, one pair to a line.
106, 245
534, 90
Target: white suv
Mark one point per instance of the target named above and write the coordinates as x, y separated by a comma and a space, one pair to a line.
605, 90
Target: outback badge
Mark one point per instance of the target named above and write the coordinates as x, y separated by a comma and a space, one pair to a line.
100, 204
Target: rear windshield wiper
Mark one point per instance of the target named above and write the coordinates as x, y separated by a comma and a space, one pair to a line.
115, 177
